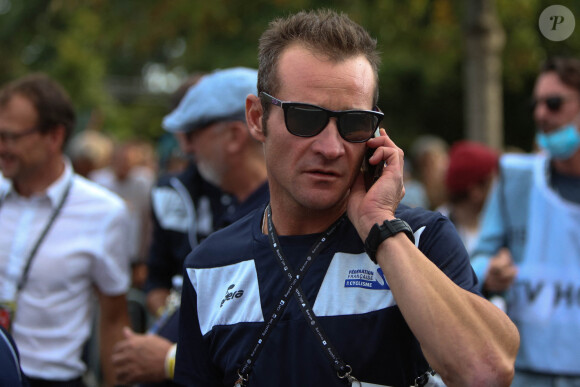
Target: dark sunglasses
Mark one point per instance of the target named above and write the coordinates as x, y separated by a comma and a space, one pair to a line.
306, 120
553, 103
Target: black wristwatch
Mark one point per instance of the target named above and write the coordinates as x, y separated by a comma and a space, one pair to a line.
380, 232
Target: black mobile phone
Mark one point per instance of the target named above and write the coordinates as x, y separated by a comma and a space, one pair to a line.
371, 173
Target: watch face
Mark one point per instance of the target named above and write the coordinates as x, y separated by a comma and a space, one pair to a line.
399, 225
379, 233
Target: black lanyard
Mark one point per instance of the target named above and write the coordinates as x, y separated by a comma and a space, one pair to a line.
34, 249
343, 370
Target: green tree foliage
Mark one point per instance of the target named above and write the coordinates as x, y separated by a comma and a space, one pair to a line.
526, 48
110, 55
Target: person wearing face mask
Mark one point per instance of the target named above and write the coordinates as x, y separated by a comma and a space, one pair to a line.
528, 249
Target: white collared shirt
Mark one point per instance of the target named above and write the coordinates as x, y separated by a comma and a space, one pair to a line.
85, 247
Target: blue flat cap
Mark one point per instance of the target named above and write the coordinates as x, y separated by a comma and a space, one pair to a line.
218, 96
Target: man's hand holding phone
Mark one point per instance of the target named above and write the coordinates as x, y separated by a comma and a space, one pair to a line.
371, 173
365, 208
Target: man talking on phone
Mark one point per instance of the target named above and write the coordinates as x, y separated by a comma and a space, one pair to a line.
330, 284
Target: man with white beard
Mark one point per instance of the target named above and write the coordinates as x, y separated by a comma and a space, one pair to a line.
211, 126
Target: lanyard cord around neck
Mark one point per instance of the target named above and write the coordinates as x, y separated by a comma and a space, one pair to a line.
343, 370
40, 239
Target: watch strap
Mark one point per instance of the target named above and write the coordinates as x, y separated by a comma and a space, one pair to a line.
380, 232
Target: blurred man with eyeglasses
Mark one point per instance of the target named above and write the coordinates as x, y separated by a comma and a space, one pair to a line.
291, 295
529, 247
62, 240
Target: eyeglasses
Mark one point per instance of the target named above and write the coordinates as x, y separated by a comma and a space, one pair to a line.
11, 138
306, 120
553, 103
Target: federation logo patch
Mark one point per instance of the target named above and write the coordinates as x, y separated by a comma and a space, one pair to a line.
366, 279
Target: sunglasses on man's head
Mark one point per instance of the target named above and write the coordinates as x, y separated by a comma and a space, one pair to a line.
306, 120
553, 103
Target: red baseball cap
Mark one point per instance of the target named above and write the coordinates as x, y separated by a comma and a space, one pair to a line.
470, 163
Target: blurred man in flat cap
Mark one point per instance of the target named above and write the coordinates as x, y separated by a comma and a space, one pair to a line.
211, 126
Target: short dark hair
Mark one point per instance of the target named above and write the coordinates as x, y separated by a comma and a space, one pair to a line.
567, 69
332, 34
50, 100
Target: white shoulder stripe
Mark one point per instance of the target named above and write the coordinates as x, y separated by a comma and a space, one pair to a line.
169, 209
417, 235
227, 295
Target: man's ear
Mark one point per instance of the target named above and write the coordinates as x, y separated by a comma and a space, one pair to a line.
254, 114
56, 137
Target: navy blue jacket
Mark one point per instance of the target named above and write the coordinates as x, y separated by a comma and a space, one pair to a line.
234, 282
10, 371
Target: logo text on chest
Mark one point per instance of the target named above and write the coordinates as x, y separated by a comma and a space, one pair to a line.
231, 294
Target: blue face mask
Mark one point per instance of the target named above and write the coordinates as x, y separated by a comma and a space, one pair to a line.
560, 144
